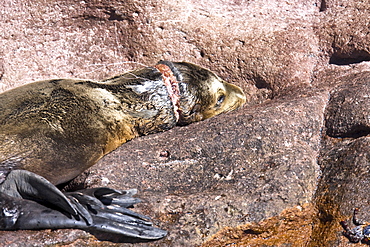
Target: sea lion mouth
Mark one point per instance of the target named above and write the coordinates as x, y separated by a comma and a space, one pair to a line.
172, 85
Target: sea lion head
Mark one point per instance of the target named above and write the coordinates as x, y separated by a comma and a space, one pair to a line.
201, 94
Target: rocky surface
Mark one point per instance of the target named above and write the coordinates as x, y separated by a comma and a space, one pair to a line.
347, 113
283, 170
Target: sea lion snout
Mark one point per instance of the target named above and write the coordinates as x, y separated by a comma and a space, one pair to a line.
236, 96
202, 93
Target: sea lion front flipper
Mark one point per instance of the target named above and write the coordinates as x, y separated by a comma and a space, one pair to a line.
30, 186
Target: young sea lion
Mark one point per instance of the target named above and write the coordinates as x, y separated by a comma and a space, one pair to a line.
51, 131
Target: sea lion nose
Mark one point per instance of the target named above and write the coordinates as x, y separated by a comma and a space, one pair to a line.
241, 97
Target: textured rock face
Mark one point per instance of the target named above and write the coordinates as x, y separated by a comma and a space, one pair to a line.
347, 113
343, 186
296, 156
344, 160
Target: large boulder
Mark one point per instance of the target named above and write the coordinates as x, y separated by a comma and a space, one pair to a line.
295, 156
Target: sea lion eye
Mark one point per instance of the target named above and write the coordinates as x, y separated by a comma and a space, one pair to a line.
220, 99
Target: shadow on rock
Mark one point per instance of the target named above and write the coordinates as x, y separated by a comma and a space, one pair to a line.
117, 238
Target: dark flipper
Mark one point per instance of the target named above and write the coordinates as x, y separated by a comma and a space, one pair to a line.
27, 185
29, 201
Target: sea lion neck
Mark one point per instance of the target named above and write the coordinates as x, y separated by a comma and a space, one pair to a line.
172, 86
154, 96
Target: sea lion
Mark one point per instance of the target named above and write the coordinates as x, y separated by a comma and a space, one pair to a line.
53, 130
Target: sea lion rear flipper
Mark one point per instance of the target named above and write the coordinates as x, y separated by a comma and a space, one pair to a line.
29, 201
